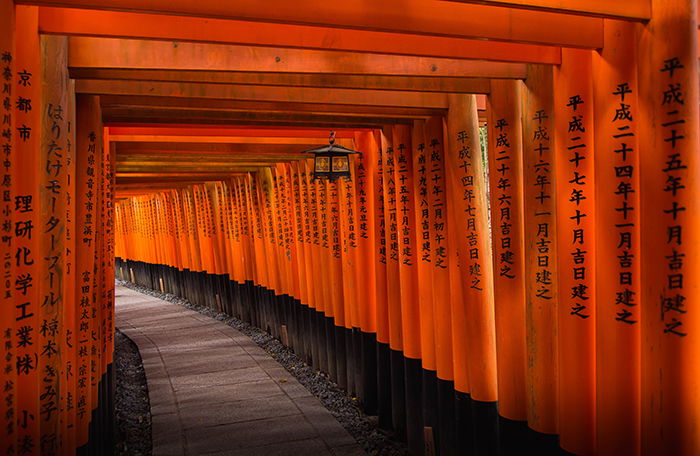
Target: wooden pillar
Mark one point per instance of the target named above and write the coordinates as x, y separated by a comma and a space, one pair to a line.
70, 309
53, 179
393, 281
408, 270
474, 336
367, 298
668, 138
505, 144
8, 373
27, 219
423, 220
439, 250
88, 145
540, 250
617, 190
575, 202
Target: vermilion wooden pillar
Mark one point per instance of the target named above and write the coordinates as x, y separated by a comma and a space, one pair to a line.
8, 373
408, 270
575, 204
393, 280
26, 86
618, 279
506, 180
366, 275
88, 145
423, 219
669, 144
69, 313
540, 250
474, 330
439, 256
53, 179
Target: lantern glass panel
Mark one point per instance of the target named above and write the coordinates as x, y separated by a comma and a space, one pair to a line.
341, 164
322, 164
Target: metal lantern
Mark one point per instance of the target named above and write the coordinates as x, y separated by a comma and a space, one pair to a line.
331, 161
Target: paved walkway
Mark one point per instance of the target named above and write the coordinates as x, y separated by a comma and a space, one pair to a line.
214, 391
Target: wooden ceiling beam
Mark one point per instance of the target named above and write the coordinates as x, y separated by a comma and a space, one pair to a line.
222, 139
119, 24
346, 97
162, 55
228, 131
168, 176
636, 10
187, 168
276, 119
207, 159
211, 104
328, 81
423, 17
206, 149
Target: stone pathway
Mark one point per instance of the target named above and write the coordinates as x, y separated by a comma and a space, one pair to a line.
213, 391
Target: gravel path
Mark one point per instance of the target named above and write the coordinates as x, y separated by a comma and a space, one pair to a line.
363, 428
131, 404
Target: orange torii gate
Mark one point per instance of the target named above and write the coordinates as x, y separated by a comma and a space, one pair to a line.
523, 284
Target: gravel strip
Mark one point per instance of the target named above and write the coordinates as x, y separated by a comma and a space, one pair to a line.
131, 404
375, 441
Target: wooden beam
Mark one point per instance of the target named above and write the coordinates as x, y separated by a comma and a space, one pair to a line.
339, 81
144, 54
165, 176
403, 16
277, 119
213, 104
167, 167
262, 93
117, 24
218, 139
205, 149
210, 159
636, 10
204, 130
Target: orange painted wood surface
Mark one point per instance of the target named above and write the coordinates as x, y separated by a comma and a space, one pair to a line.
505, 158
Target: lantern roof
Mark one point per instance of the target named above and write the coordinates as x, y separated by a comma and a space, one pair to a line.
331, 149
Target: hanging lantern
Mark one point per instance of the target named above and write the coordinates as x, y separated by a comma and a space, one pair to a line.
331, 161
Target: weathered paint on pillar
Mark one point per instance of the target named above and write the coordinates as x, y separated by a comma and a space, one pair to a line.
540, 248
505, 146
669, 144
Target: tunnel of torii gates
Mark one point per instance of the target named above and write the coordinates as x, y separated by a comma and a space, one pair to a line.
511, 266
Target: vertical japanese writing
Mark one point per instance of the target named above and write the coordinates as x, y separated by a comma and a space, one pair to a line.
542, 206
404, 169
577, 210
53, 182
671, 100
465, 158
504, 188
7, 369
624, 195
436, 188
